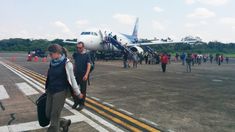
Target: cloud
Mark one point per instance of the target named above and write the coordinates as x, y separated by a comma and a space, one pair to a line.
62, 26
208, 2
158, 9
214, 2
228, 21
158, 25
190, 2
190, 25
202, 13
196, 25
124, 18
82, 23
203, 22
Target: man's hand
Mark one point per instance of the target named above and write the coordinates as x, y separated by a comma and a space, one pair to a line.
80, 96
85, 77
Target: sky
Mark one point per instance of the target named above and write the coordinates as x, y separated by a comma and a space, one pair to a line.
212, 20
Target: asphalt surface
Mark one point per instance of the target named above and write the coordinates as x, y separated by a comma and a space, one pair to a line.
201, 101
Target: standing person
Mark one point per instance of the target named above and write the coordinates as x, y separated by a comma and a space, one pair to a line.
125, 59
150, 58
183, 57
82, 69
219, 60
227, 59
146, 57
193, 59
222, 58
189, 61
141, 58
211, 58
177, 57
164, 61
59, 78
135, 60
169, 58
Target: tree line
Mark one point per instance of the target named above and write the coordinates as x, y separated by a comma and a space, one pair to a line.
19, 44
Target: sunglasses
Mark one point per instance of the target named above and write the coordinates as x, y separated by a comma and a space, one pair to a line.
79, 47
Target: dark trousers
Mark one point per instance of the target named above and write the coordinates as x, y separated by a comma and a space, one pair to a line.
163, 67
83, 86
146, 60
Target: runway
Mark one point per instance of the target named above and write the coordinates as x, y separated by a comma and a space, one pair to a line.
142, 99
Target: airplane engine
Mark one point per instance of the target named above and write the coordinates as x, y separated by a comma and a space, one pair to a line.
137, 48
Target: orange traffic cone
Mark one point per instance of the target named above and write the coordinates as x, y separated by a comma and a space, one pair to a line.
13, 58
44, 59
35, 59
29, 58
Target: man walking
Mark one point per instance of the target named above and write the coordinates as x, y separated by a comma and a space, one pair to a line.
125, 59
164, 61
82, 69
188, 62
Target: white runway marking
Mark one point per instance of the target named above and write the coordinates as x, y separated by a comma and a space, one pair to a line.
216, 80
39, 86
34, 125
108, 104
127, 112
95, 98
3, 93
26, 89
148, 121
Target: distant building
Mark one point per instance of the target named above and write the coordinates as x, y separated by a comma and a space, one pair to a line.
192, 40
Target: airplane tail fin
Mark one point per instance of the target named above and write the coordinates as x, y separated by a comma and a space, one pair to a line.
135, 31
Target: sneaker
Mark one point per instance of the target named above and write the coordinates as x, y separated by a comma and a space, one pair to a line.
66, 126
80, 107
75, 105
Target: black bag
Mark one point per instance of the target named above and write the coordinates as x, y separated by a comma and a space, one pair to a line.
41, 108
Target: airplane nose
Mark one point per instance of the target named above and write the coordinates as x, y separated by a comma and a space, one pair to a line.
86, 40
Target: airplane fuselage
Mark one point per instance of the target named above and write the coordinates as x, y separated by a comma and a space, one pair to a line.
96, 40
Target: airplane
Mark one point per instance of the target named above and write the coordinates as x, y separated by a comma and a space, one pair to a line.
104, 40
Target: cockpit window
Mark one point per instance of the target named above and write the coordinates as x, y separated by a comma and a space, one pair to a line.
95, 34
85, 33
89, 33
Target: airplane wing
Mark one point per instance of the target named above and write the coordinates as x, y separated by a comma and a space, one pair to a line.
70, 42
154, 43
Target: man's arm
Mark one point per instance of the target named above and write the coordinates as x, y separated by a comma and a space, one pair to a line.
87, 71
88, 67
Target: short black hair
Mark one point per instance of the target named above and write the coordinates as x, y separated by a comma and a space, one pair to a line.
81, 43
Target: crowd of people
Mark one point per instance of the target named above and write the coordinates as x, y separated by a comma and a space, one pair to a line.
188, 59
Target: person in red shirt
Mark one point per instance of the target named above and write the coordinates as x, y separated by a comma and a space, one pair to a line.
164, 61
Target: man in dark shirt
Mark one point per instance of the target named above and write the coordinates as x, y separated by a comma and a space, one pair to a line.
82, 69
125, 58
